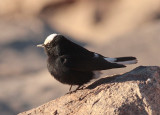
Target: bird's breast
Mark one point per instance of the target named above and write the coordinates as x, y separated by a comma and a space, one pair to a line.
57, 69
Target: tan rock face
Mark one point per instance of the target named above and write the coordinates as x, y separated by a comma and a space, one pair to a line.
134, 93
112, 28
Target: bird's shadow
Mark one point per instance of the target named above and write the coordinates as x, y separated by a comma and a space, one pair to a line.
102, 81
137, 74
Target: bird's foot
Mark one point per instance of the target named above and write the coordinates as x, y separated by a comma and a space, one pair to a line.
80, 87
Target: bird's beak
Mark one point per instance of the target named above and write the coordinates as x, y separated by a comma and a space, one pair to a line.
40, 45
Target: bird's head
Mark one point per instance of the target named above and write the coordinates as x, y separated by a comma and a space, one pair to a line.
48, 43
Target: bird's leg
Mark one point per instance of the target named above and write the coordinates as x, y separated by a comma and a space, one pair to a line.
83, 86
70, 88
78, 87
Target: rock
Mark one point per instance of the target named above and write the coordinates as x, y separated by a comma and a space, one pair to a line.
135, 92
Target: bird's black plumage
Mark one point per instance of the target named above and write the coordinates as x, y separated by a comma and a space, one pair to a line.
72, 64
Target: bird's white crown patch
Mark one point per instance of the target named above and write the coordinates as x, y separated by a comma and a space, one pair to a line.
50, 38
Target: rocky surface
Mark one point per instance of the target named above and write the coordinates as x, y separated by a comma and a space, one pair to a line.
110, 27
135, 92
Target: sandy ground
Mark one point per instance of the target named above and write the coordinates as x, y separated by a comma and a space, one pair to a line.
125, 28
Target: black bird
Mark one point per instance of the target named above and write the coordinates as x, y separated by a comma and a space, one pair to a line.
72, 64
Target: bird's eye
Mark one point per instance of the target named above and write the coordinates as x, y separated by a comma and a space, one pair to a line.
47, 47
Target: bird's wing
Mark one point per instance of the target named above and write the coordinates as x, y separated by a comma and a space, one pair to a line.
82, 63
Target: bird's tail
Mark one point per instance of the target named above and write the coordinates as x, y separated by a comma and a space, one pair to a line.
122, 60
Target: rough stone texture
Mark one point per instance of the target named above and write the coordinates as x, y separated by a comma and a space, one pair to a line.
134, 93
112, 28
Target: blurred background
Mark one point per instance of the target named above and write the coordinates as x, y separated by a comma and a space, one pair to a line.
110, 27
